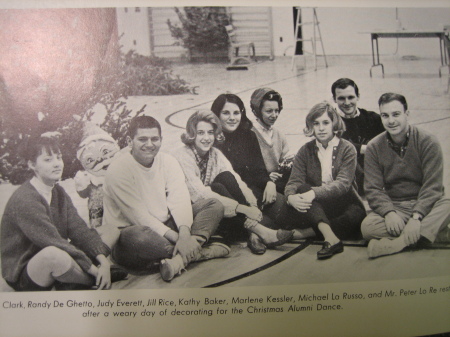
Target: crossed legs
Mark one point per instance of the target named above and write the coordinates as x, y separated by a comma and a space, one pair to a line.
433, 225
261, 234
140, 248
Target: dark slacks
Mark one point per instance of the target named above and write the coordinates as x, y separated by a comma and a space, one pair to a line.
233, 229
139, 247
344, 216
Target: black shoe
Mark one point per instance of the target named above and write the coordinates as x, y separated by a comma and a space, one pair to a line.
255, 244
283, 236
329, 250
117, 273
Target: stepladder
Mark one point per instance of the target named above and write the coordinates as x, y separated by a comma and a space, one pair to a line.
308, 34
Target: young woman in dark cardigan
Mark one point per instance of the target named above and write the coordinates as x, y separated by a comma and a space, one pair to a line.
321, 191
242, 149
37, 224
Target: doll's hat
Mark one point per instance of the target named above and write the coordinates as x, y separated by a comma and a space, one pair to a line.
91, 133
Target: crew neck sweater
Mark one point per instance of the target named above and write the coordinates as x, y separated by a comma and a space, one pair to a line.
362, 128
137, 195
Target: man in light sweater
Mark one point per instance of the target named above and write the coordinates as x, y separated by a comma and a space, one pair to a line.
148, 215
361, 125
403, 184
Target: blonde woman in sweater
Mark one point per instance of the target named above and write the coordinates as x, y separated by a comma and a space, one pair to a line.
321, 191
210, 175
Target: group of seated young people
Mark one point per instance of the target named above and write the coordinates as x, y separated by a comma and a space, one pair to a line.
234, 180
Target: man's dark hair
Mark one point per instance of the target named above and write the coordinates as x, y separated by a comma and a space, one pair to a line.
390, 97
343, 83
142, 122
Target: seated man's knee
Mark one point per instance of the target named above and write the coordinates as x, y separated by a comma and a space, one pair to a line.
136, 236
443, 203
370, 226
208, 207
215, 205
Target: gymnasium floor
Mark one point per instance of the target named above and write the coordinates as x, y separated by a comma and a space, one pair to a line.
296, 263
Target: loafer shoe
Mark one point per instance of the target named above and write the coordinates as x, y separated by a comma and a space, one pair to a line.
283, 236
118, 273
329, 250
255, 244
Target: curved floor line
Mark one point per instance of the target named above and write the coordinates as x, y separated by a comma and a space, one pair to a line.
167, 120
264, 267
432, 121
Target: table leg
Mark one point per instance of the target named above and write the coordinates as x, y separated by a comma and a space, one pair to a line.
444, 60
377, 62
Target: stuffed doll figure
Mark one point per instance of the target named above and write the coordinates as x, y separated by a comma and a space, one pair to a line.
95, 152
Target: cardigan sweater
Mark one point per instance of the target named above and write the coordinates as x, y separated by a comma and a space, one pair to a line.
30, 224
217, 164
360, 130
137, 195
417, 176
307, 170
242, 150
273, 154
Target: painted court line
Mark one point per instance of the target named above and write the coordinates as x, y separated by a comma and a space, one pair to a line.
264, 267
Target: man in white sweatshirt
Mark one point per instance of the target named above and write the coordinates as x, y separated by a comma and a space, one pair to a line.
148, 215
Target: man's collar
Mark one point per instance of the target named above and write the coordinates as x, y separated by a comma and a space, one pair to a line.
343, 115
389, 138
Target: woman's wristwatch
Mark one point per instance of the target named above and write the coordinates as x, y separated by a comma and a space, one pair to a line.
417, 216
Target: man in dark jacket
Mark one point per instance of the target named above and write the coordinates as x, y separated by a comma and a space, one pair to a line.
361, 125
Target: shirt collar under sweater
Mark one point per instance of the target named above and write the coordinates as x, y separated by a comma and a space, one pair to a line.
326, 158
266, 133
43, 189
202, 162
399, 149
